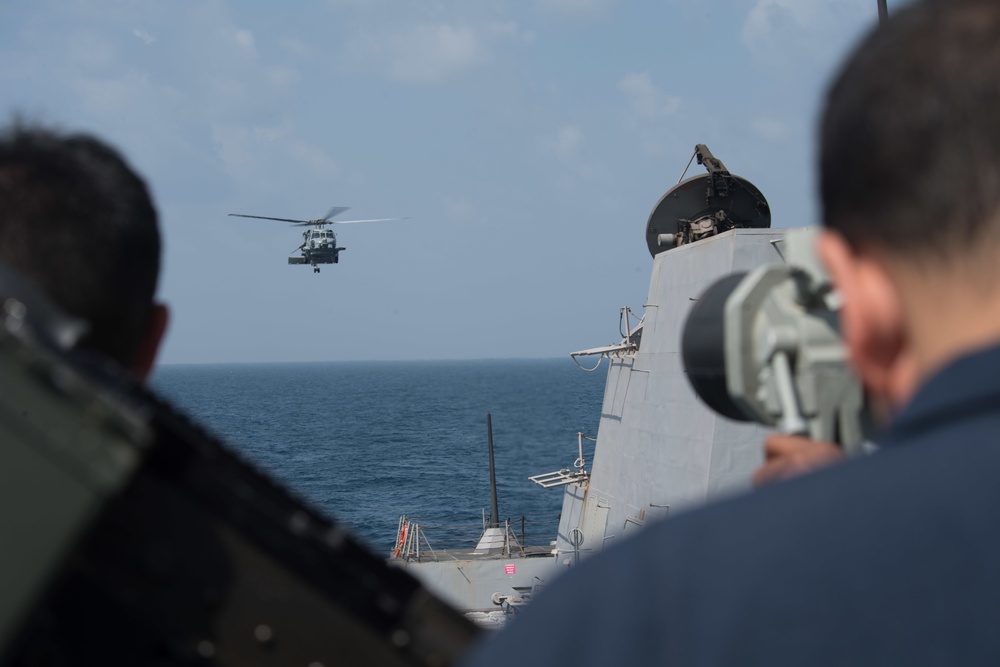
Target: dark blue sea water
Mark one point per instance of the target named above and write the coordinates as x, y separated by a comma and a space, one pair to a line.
366, 442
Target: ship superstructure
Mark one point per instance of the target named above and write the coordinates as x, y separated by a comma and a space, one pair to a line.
659, 449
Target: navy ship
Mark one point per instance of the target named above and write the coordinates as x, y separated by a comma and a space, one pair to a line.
659, 449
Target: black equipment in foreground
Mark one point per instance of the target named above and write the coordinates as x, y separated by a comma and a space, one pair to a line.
129, 536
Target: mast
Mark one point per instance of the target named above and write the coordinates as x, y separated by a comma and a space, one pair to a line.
883, 12
495, 511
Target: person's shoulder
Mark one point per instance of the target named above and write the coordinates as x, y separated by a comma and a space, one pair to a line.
781, 536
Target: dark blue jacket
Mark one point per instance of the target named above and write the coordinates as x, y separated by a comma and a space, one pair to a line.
893, 559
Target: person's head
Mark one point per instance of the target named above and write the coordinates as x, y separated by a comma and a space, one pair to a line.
79, 222
910, 189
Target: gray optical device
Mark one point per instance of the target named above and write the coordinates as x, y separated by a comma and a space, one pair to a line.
765, 346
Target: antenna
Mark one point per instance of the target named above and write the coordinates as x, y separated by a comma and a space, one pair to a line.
493, 477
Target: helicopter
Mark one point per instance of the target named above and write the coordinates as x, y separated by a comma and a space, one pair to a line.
319, 245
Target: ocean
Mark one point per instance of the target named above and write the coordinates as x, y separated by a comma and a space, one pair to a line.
367, 442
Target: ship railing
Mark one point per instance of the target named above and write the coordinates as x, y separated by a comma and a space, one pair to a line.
433, 540
566, 476
629, 345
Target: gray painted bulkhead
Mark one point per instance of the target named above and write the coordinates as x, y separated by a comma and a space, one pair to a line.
471, 583
659, 449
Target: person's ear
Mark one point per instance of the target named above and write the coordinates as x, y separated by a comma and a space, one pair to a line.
142, 365
872, 320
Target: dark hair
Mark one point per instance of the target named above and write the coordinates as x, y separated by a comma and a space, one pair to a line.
910, 138
80, 223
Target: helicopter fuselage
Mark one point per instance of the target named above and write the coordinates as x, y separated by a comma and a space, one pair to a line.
319, 246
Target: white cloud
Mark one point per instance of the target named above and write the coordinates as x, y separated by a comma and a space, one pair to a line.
510, 29
294, 47
88, 50
243, 148
459, 210
585, 9
102, 97
423, 53
249, 153
645, 99
768, 128
789, 32
432, 52
768, 16
232, 145
144, 36
129, 99
314, 158
428, 51
503, 28
568, 140
565, 143
245, 39
282, 76
355, 5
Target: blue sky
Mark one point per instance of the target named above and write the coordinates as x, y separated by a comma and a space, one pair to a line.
527, 143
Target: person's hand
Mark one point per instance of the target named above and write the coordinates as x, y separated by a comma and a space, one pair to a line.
791, 455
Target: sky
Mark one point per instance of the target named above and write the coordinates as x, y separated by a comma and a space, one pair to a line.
526, 142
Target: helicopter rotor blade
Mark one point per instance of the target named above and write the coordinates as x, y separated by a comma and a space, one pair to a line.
264, 217
336, 210
350, 222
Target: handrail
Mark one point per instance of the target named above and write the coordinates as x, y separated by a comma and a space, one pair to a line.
628, 345
413, 544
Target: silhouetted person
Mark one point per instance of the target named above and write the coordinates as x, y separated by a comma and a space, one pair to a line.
77, 221
887, 559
